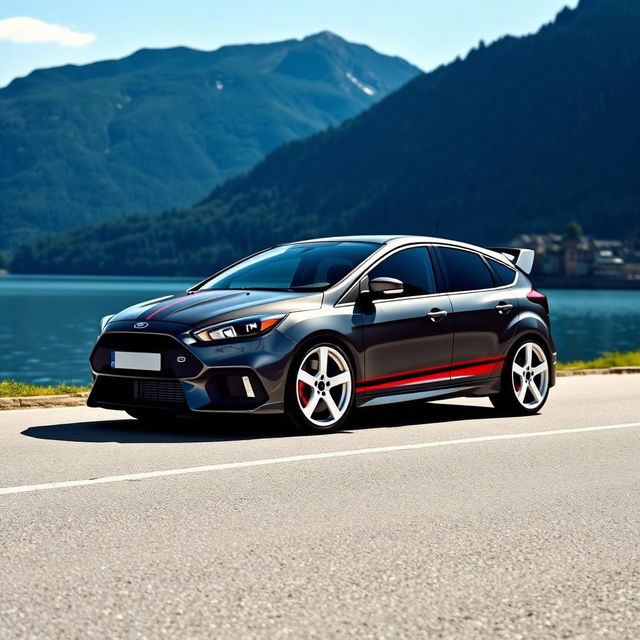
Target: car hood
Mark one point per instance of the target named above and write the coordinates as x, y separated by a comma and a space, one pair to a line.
203, 308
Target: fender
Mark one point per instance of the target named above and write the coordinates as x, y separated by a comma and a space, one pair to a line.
530, 326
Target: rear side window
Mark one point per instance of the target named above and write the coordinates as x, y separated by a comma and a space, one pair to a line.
465, 271
504, 275
412, 267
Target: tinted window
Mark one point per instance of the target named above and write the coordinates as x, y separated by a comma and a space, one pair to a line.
465, 271
309, 266
504, 275
412, 267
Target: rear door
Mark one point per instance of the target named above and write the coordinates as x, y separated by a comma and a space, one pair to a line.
484, 311
408, 337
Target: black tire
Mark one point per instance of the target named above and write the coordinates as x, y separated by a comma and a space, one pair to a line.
343, 400
152, 416
510, 400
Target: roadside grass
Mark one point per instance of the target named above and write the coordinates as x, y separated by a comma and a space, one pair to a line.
613, 359
13, 389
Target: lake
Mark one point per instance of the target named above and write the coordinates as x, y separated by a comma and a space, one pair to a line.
49, 323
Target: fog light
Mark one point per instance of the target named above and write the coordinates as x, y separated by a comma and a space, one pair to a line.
247, 387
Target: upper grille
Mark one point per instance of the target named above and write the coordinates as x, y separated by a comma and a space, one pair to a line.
176, 360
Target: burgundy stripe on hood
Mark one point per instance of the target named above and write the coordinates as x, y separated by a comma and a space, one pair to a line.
173, 303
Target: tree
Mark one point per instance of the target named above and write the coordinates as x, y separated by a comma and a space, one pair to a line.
574, 231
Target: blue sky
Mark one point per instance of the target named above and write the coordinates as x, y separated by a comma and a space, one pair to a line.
425, 32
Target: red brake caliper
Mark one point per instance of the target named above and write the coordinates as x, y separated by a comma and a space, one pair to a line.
304, 399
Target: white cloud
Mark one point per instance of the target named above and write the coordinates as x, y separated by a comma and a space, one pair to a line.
22, 30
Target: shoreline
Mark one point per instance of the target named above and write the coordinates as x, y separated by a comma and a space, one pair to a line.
541, 281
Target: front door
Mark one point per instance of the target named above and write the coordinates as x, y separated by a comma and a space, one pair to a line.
408, 336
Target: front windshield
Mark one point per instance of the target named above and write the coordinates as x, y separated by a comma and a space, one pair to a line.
308, 266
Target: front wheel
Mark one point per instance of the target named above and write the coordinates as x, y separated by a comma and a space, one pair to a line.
525, 381
320, 390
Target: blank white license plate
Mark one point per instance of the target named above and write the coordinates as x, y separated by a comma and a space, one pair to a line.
135, 360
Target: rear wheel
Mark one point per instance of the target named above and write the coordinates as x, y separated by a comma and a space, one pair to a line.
320, 390
152, 415
525, 381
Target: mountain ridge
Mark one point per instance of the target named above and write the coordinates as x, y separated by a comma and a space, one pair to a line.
43, 73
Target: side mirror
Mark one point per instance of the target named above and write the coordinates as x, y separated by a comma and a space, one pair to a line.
386, 286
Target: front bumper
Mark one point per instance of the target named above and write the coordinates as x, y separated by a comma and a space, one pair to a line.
242, 375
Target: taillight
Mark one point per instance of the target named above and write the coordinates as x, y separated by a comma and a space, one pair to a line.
538, 298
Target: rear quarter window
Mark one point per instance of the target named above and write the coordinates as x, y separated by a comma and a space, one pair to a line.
464, 270
504, 275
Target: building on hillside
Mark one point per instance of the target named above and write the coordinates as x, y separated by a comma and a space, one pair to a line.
582, 260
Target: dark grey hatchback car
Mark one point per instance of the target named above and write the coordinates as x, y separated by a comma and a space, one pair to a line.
311, 329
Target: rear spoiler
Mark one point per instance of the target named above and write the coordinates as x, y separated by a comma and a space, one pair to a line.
522, 258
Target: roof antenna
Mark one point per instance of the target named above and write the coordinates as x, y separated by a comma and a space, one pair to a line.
436, 224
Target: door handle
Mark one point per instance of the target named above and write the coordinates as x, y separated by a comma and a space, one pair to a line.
437, 314
504, 307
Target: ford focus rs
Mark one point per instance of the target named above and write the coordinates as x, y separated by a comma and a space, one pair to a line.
313, 329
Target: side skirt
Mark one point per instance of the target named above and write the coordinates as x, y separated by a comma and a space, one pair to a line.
487, 388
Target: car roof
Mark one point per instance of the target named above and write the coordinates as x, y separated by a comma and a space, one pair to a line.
378, 239
399, 240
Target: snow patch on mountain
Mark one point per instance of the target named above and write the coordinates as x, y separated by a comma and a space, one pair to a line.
363, 87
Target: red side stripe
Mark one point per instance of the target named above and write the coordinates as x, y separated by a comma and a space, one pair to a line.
492, 359
457, 372
473, 371
397, 383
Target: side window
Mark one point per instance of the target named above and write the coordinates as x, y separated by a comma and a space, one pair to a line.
504, 275
465, 271
412, 267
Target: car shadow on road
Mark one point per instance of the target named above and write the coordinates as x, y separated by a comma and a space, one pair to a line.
221, 428
131, 431
415, 414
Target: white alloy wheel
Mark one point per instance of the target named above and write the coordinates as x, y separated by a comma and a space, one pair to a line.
530, 375
324, 384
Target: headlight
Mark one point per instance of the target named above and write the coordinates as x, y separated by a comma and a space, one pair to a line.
104, 320
243, 328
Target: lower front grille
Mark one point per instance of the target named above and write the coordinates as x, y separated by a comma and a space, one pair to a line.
114, 391
158, 391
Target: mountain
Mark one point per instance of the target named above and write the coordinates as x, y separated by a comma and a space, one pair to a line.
526, 134
160, 128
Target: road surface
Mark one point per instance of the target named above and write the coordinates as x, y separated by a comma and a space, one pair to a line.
443, 522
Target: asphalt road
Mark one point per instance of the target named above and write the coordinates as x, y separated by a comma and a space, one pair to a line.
442, 522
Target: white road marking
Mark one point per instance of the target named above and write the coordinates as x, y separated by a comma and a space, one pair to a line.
308, 456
